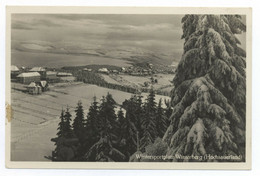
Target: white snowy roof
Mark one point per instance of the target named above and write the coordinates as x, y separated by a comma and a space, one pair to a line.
64, 74
29, 74
103, 70
14, 68
36, 69
32, 84
87, 69
43, 83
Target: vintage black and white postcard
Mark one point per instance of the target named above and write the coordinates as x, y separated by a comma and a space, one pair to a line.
128, 88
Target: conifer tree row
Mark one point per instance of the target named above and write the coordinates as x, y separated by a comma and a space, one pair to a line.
209, 96
107, 135
105, 148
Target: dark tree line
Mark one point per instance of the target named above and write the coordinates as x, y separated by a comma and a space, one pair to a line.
95, 78
107, 134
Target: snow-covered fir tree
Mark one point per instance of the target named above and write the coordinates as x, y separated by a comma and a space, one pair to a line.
210, 87
78, 122
60, 134
61, 125
104, 149
149, 121
92, 125
129, 126
68, 133
122, 134
64, 142
160, 120
108, 117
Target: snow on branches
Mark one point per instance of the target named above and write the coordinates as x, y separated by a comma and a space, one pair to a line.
209, 96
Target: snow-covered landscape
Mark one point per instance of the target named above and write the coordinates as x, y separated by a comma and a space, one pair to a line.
36, 118
129, 88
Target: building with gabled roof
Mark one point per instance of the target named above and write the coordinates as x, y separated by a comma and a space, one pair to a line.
63, 74
34, 89
40, 70
37, 69
14, 71
14, 68
51, 77
44, 85
29, 77
103, 70
87, 69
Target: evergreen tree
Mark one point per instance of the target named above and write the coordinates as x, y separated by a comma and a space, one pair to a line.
209, 95
160, 120
120, 130
139, 114
129, 126
65, 145
60, 134
122, 134
68, 133
120, 117
61, 125
149, 121
92, 125
78, 122
108, 117
104, 149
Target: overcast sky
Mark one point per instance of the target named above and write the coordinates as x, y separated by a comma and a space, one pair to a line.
160, 33
153, 32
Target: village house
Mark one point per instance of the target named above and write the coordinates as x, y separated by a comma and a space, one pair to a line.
150, 66
34, 89
51, 77
44, 85
87, 69
103, 70
123, 70
64, 74
66, 77
26, 78
14, 71
40, 70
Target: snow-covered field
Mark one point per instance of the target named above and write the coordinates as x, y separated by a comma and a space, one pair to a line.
36, 117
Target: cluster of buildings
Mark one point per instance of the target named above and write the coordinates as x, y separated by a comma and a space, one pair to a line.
145, 69
102, 70
137, 71
36, 78
35, 88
